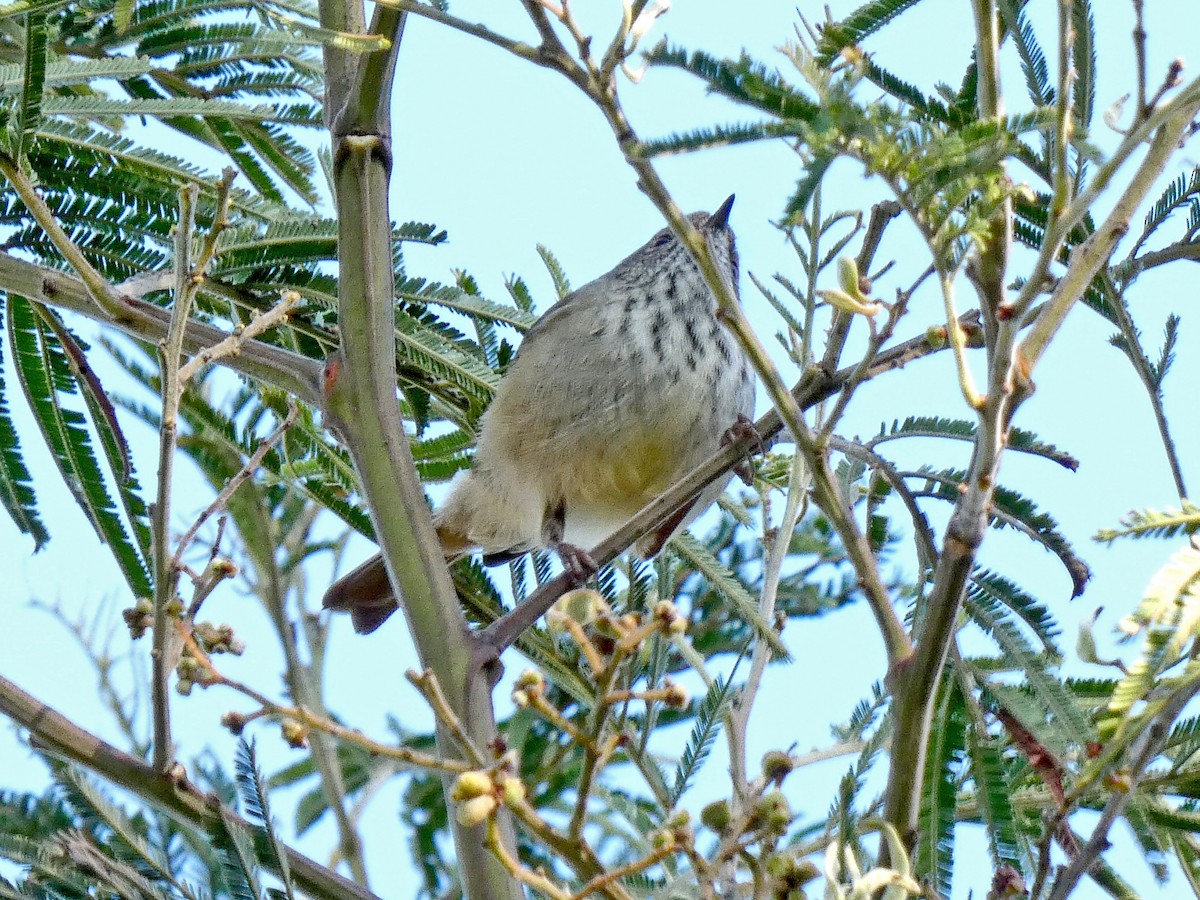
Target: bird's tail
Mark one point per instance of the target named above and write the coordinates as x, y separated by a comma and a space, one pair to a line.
366, 593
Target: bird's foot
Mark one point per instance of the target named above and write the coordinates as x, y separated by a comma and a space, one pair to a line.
743, 430
577, 561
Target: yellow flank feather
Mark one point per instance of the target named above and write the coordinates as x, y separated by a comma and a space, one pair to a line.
626, 472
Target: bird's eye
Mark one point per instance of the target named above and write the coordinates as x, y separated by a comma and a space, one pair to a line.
662, 240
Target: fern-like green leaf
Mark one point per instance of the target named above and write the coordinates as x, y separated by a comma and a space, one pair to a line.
1168, 522
1029, 49
253, 790
33, 80
1011, 509
1083, 62
562, 285
863, 22
742, 80
704, 732
959, 429
725, 583
44, 373
994, 792
16, 485
1032, 612
1045, 688
935, 847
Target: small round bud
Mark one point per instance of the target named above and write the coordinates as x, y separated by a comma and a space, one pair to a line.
779, 865
183, 687
663, 839
471, 784
716, 816
224, 567
676, 695
775, 812
234, 721
476, 810
512, 791
582, 605
681, 818
529, 686
295, 734
935, 336
138, 621
776, 766
667, 615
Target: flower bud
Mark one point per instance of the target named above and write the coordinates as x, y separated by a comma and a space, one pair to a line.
776, 766
476, 810
512, 791
471, 784
716, 816
295, 734
775, 812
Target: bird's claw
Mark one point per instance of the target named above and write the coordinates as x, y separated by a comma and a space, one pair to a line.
577, 561
743, 430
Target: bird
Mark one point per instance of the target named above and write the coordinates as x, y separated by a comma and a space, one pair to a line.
616, 392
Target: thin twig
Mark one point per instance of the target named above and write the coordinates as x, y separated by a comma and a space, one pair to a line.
268, 707
1139, 53
779, 548
166, 573
98, 287
232, 344
426, 683
291, 372
241, 476
1142, 366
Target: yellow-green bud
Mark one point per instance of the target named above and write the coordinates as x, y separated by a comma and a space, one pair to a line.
512, 791
849, 279
776, 766
681, 818
471, 784
779, 865
582, 605
476, 810
775, 812
847, 303
295, 734
716, 815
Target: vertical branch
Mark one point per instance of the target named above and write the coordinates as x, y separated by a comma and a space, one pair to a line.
362, 407
1064, 121
1010, 383
166, 574
779, 545
990, 268
1139, 52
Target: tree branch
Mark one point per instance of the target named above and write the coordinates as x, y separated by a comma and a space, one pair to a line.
296, 374
57, 735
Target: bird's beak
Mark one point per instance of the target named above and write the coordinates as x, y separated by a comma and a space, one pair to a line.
720, 219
